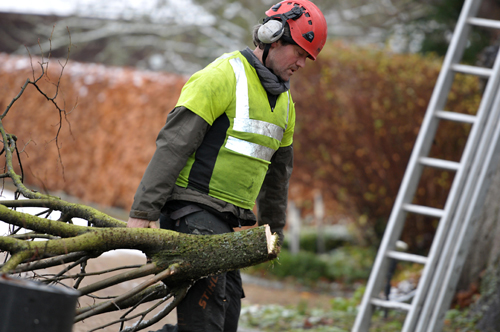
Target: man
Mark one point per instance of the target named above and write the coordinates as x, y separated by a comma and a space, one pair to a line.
226, 145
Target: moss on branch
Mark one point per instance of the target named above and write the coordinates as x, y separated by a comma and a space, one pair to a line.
70, 210
38, 224
198, 255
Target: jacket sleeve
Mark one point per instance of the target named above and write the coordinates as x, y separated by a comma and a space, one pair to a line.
177, 140
273, 197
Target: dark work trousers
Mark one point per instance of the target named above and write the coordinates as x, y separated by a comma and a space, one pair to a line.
212, 304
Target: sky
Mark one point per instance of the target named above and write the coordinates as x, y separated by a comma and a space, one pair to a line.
59, 7
112, 9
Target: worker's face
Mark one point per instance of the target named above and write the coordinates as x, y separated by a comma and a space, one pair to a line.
284, 61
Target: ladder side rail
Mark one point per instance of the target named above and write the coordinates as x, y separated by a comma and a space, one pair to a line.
465, 238
454, 253
396, 220
463, 235
469, 199
414, 170
440, 236
376, 279
446, 223
405, 195
454, 53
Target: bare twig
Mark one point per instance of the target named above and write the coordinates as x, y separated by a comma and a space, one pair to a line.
142, 271
23, 88
124, 317
48, 262
98, 273
180, 294
104, 306
82, 275
66, 269
155, 292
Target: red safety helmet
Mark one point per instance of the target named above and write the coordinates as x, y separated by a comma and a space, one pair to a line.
307, 25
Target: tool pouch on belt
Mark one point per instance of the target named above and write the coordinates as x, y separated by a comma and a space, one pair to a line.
197, 220
174, 211
171, 219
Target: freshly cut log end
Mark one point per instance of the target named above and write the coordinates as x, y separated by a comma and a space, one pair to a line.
273, 248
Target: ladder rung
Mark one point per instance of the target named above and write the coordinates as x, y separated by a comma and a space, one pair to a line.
478, 71
457, 117
403, 256
391, 304
482, 22
425, 210
440, 163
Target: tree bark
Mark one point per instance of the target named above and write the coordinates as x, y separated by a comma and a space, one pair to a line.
177, 259
197, 255
482, 266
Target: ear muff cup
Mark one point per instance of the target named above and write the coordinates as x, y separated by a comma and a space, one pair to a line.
270, 31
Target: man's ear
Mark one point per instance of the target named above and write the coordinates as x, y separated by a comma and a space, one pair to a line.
275, 44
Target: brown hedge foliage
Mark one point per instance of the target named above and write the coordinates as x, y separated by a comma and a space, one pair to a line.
359, 111
105, 143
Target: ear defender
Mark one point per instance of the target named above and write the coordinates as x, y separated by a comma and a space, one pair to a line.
270, 31
273, 27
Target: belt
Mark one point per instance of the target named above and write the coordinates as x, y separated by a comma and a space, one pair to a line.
182, 212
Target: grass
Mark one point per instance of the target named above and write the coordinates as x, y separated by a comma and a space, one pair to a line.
347, 265
301, 318
341, 317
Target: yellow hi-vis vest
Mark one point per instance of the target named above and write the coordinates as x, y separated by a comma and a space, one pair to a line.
233, 159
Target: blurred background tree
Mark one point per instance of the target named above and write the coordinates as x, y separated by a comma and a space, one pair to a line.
182, 37
361, 106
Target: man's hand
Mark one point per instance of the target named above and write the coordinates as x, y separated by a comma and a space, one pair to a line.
141, 223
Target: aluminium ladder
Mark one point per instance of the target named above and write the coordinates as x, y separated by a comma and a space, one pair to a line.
456, 220
463, 226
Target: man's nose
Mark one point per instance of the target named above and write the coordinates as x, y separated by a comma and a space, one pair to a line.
301, 62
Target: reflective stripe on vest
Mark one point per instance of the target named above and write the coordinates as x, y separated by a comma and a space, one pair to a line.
243, 123
249, 148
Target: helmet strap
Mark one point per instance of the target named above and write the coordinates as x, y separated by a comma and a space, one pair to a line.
267, 47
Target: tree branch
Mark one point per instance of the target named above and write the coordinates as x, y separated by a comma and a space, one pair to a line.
151, 293
179, 295
70, 210
104, 306
129, 275
48, 262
